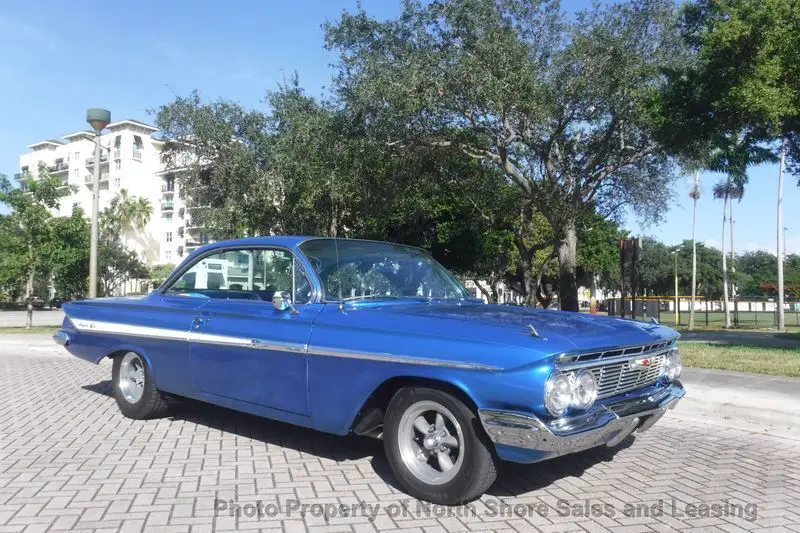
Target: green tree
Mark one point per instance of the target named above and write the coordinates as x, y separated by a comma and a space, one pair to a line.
159, 273
116, 263
743, 79
559, 107
30, 223
68, 254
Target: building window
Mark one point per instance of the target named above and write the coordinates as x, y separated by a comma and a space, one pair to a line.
76, 172
138, 145
168, 236
116, 181
168, 255
118, 164
168, 215
77, 156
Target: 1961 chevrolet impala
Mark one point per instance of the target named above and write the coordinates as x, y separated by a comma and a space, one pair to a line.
372, 338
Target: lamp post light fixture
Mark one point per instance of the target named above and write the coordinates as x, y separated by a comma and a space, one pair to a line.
97, 119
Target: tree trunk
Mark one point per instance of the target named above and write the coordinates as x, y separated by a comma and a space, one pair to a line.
529, 282
29, 300
695, 195
567, 262
725, 307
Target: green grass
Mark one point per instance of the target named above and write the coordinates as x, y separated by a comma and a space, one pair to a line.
34, 329
772, 361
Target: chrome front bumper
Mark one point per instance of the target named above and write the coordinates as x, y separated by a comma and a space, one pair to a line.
608, 424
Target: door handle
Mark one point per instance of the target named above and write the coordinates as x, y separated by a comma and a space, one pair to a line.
198, 321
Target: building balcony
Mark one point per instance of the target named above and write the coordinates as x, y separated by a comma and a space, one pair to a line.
103, 159
19, 175
58, 168
167, 206
137, 154
117, 154
89, 178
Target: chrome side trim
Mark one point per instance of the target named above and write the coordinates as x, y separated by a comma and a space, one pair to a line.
607, 425
129, 330
391, 358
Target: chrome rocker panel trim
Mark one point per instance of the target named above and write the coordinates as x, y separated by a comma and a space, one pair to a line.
608, 424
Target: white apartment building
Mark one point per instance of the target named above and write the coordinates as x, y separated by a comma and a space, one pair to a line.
131, 160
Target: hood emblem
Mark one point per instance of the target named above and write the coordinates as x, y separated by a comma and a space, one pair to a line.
533, 332
642, 363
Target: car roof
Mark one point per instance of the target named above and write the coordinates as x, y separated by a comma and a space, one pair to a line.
288, 241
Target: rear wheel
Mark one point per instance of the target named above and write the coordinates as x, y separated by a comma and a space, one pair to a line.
134, 390
436, 447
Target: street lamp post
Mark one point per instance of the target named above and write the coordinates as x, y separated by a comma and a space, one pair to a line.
97, 119
677, 312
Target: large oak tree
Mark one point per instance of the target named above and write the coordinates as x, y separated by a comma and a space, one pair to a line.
560, 107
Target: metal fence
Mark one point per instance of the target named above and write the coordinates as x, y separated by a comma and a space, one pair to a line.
746, 312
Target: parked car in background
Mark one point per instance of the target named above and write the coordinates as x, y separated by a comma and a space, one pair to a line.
37, 302
57, 301
378, 339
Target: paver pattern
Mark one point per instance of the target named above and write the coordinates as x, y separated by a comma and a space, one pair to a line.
70, 461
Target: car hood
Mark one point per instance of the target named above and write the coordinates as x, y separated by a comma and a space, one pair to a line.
558, 331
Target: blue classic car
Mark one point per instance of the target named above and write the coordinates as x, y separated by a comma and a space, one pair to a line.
373, 338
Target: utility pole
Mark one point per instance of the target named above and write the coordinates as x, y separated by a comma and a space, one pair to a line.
97, 119
781, 319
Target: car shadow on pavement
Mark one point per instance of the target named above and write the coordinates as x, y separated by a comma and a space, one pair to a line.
513, 479
270, 432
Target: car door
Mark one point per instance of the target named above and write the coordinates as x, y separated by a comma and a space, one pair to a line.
244, 348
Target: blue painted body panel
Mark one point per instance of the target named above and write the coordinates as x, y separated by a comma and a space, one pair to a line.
313, 388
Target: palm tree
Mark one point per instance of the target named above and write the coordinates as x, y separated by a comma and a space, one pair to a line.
723, 190
732, 155
125, 213
694, 194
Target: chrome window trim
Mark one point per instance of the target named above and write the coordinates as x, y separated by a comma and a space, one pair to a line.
129, 330
296, 257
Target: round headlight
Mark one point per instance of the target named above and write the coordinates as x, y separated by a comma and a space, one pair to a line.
558, 393
673, 365
584, 390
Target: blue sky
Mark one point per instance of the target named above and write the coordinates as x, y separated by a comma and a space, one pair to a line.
140, 55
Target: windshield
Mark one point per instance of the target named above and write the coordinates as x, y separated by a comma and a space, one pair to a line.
379, 270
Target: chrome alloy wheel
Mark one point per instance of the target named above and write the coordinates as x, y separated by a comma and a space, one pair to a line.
431, 442
131, 377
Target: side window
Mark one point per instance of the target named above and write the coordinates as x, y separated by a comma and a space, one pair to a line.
254, 274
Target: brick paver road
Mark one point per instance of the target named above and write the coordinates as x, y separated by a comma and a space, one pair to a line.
70, 461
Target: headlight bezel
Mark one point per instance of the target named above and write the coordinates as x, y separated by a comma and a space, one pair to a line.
568, 398
580, 380
557, 379
673, 366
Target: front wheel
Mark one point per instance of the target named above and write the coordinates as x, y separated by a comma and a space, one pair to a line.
134, 390
436, 447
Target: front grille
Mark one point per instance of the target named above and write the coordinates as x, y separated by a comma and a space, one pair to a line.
613, 369
622, 377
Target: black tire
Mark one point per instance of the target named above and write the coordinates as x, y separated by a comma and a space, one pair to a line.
151, 404
477, 470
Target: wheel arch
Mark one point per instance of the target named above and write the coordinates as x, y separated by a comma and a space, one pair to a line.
370, 416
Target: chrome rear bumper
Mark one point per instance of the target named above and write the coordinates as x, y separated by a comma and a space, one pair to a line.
61, 337
608, 424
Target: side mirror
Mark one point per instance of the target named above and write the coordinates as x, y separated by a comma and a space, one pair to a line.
283, 302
